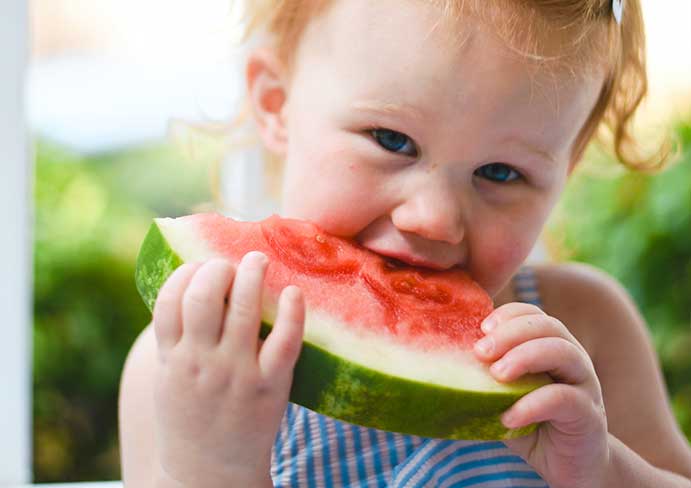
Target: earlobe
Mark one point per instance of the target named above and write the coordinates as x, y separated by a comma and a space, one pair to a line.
266, 89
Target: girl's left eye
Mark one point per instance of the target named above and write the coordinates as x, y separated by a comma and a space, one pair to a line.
395, 142
498, 173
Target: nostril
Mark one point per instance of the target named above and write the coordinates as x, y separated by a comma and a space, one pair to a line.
442, 229
432, 217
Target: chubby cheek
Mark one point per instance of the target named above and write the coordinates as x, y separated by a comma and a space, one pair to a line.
497, 254
331, 188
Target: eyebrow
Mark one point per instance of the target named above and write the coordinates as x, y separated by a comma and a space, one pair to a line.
389, 108
530, 147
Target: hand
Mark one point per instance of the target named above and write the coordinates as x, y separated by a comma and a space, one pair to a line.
220, 392
570, 449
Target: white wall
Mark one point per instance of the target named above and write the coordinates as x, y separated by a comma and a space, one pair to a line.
15, 249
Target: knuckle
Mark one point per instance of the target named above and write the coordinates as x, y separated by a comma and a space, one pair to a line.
243, 310
566, 395
543, 325
565, 348
198, 296
215, 379
165, 300
531, 309
517, 310
287, 351
185, 366
251, 385
263, 388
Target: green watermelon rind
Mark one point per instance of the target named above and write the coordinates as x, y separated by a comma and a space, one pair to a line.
333, 386
155, 263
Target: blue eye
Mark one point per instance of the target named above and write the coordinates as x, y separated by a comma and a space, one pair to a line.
498, 173
394, 141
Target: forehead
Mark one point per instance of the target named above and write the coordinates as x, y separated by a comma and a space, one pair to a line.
407, 53
548, 33
406, 46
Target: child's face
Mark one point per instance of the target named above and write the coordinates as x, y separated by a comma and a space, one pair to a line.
437, 153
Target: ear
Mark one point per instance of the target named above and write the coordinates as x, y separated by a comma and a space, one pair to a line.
266, 87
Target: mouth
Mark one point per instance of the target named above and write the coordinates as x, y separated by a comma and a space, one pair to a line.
405, 260
410, 249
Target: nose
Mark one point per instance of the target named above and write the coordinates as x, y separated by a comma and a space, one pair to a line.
434, 213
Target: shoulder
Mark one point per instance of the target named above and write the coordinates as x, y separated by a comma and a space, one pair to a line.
591, 303
574, 284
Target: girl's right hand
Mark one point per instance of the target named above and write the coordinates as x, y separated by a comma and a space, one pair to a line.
221, 392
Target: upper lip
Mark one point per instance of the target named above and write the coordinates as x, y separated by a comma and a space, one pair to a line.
413, 260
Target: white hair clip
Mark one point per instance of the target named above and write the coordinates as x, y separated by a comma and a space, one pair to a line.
618, 10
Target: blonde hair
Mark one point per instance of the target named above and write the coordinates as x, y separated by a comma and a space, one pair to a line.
586, 30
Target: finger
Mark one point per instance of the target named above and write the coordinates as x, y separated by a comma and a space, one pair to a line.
240, 334
167, 315
568, 408
203, 302
507, 312
282, 347
509, 334
561, 359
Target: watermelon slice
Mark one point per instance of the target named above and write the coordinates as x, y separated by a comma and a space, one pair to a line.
386, 345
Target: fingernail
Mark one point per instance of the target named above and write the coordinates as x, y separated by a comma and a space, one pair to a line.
488, 325
485, 346
258, 257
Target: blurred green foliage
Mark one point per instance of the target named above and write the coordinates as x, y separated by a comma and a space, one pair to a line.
637, 227
92, 213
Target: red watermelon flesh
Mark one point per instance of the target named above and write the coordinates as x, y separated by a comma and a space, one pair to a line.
440, 309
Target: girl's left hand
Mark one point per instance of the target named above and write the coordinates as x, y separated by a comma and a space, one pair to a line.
570, 448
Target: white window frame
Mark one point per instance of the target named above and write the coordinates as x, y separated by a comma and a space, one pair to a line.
16, 170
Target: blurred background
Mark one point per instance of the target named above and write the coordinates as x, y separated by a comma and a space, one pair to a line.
106, 79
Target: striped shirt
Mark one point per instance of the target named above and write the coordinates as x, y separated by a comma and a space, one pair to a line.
315, 451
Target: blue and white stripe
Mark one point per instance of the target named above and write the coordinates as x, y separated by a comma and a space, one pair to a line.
315, 451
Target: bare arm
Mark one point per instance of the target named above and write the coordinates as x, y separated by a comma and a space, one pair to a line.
633, 386
136, 413
629, 470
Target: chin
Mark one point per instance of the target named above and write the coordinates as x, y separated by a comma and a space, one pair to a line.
495, 278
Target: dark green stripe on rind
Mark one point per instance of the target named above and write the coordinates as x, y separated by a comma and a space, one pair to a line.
333, 386
345, 390
155, 262
330, 385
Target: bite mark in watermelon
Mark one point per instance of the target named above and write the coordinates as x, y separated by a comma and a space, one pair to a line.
386, 345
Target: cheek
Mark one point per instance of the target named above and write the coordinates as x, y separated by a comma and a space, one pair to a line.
498, 252
327, 184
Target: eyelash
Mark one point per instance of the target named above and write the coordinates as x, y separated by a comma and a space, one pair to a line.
379, 133
514, 175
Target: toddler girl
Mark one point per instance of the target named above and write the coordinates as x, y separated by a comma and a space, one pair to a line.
439, 133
